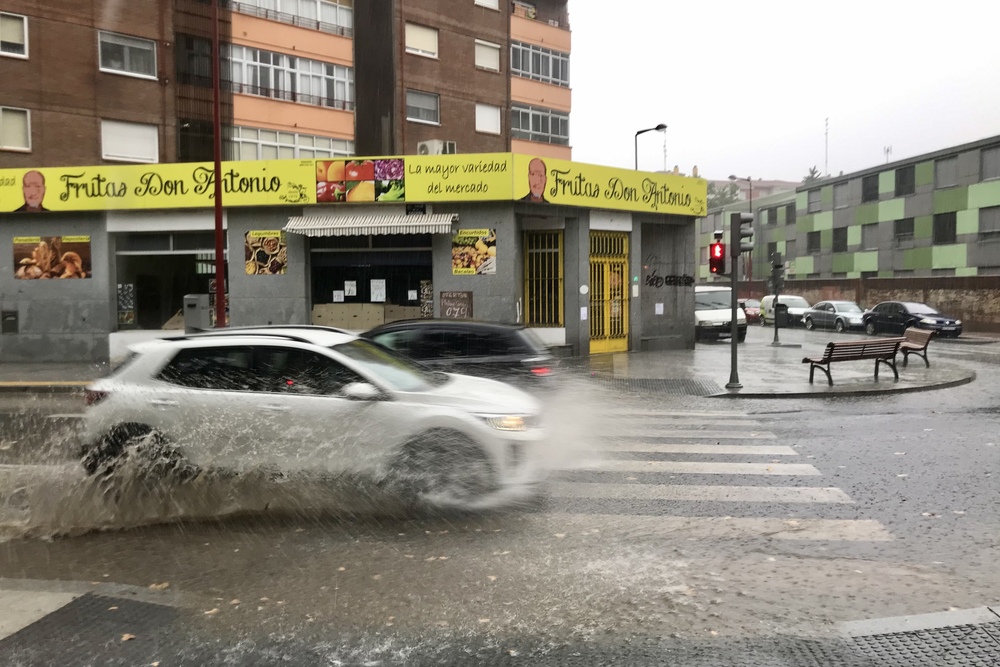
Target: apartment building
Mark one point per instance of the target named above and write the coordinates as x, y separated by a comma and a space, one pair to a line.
932, 215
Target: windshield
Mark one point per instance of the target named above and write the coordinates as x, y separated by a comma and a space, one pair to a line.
712, 300
751, 303
847, 308
919, 309
393, 370
794, 301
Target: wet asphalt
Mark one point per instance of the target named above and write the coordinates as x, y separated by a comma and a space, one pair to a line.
581, 574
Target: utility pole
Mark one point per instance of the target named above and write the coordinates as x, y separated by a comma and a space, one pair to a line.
888, 151
741, 241
826, 149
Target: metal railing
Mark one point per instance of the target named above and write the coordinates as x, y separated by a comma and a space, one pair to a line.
540, 137
290, 96
292, 19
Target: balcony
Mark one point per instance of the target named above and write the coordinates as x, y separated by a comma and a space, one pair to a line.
291, 19
540, 26
554, 16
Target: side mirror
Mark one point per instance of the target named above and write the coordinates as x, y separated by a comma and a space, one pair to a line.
361, 391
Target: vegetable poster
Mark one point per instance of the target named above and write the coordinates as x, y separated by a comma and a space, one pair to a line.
474, 252
265, 252
44, 257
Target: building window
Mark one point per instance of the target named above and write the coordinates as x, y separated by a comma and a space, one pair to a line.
283, 77
539, 124
325, 15
991, 163
902, 230
944, 228
865, 275
194, 61
487, 56
869, 188
869, 236
905, 181
127, 55
249, 143
790, 249
423, 107
421, 40
989, 223
772, 216
489, 4
812, 243
840, 195
130, 142
772, 248
13, 35
15, 129
840, 239
539, 64
487, 119
946, 172
814, 201
543, 278
790, 214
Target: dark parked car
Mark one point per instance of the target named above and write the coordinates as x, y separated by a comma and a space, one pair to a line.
507, 352
838, 315
895, 316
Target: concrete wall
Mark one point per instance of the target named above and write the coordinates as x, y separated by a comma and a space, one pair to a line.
496, 296
665, 252
282, 299
59, 320
576, 272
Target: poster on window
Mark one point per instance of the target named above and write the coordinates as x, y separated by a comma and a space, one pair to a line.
51, 257
265, 252
474, 252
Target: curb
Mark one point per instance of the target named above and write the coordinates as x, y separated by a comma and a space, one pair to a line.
854, 393
43, 387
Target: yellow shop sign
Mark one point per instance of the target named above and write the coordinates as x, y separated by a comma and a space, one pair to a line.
548, 180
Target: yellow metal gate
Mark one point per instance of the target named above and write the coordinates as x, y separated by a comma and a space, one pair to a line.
608, 292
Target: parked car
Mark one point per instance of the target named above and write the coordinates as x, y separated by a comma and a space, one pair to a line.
895, 316
507, 352
837, 315
309, 399
713, 314
797, 307
751, 308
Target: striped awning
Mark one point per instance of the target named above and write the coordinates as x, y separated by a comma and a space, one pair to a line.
361, 225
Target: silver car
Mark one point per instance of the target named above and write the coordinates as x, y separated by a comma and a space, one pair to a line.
836, 315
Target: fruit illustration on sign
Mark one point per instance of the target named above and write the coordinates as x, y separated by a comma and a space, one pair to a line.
360, 170
321, 168
363, 191
335, 173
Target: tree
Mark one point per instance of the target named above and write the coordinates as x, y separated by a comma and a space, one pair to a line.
722, 195
812, 176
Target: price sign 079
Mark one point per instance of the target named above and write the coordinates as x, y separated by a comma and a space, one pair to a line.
456, 305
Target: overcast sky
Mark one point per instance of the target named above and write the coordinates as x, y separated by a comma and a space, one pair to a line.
745, 86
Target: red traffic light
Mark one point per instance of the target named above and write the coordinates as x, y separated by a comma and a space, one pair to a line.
717, 258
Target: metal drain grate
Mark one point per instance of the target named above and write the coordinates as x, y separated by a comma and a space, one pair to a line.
960, 645
678, 387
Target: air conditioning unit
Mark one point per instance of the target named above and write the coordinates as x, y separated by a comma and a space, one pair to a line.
430, 147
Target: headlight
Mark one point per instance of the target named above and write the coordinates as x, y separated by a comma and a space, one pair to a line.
505, 422
958, 321
927, 320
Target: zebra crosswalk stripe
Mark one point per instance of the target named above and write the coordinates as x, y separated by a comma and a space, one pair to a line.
693, 492
710, 467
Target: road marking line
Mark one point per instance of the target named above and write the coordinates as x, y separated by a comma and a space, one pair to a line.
748, 450
709, 468
741, 494
846, 530
639, 434
670, 415
19, 609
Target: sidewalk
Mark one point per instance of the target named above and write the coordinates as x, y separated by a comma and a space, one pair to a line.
765, 371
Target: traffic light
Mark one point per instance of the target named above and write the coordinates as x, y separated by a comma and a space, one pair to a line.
741, 228
717, 258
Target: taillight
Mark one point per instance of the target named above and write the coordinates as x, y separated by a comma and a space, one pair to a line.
93, 396
541, 371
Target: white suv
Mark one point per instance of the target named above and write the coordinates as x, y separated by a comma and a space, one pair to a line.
311, 398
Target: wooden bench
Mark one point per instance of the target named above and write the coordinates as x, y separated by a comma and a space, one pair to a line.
915, 342
882, 350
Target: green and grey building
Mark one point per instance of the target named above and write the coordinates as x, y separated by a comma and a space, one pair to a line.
936, 214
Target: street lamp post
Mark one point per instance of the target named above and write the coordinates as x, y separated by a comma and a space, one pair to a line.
220, 242
659, 128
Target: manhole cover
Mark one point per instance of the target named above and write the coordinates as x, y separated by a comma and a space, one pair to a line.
685, 387
960, 645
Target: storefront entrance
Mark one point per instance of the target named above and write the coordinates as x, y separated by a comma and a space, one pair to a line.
608, 292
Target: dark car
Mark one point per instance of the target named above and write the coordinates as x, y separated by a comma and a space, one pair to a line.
838, 315
507, 352
895, 316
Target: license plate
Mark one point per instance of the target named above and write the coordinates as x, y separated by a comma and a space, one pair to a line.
948, 328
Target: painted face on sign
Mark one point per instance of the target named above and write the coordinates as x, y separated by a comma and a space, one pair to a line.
33, 187
537, 179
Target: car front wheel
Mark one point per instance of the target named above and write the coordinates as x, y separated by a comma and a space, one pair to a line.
870, 328
839, 326
135, 453
809, 323
442, 467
